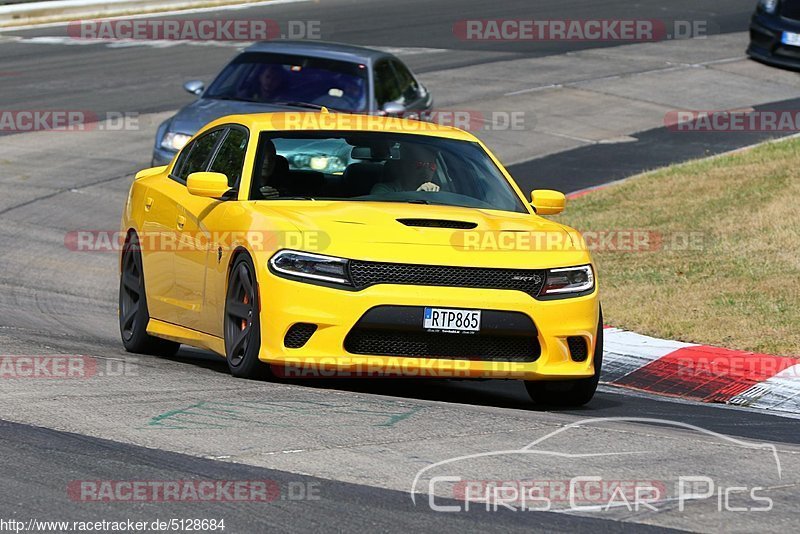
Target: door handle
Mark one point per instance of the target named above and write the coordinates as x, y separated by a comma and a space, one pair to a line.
148, 203
181, 222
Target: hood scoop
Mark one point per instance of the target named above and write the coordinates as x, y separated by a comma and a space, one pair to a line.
438, 223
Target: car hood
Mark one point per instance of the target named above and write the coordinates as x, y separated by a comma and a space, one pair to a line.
204, 110
371, 231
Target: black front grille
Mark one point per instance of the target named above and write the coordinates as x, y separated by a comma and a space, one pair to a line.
298, 335
366, 273
438, 223
442, 346
790, 9
578, 350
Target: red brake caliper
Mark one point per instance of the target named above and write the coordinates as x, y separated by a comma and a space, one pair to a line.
244, 321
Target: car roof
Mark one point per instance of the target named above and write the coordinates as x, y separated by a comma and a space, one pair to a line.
329, 121
321, 49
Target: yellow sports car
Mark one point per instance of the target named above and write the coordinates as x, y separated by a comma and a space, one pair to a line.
326, 244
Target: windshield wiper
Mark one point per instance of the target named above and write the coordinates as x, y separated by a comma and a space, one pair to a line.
236, 99
298, 104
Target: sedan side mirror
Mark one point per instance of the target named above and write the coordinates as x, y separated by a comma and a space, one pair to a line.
548, 202
207, 184
195, 87
393, 109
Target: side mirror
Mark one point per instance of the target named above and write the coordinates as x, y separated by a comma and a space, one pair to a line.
393, 109
207, 184
548, 202
195, 87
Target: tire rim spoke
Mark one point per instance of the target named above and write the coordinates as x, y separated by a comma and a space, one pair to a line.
131, 290
130, 282
239, 314
238, 310
127, 321
244, 278
240, 345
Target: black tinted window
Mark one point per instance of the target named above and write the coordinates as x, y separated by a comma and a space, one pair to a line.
199, 153
383, 167
386, 86
230, 156
282, 78
407, 86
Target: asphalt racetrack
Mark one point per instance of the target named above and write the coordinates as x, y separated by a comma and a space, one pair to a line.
345, 454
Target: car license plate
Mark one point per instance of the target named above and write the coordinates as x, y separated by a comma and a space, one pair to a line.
791, 38
446, 320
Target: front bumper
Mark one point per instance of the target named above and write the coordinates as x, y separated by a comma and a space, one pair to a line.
285, 303
765, 41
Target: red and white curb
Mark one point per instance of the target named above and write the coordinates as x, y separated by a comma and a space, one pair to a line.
701, 372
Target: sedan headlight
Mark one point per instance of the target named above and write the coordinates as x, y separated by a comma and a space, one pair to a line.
568, 281
175, 141
312, 266
768, 5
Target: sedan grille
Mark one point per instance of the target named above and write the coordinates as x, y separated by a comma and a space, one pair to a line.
790, 10
442, 346
365, 274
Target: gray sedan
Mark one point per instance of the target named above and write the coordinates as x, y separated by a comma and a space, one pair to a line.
291, 75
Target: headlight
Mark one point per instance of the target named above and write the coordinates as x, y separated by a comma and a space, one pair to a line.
175, 141
312, 266
567, 281
768, 5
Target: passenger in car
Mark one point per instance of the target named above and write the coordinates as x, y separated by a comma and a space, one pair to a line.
268, 167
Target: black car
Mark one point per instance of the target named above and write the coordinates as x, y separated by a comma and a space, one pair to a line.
775, 33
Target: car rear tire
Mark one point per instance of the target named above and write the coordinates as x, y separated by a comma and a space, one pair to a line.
133, 313
570, 393
242, 322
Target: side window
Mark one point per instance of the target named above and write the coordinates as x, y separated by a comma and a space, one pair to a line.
230, 156
199, 154
407, 85
386, 87
176, 169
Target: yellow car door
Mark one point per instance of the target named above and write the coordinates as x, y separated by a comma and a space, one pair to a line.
203, 233
186, 294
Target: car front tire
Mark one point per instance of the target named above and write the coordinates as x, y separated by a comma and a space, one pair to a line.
242, 322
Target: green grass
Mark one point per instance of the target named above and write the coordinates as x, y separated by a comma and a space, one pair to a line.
740, 286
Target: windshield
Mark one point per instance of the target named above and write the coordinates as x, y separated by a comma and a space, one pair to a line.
280, 78
379, 167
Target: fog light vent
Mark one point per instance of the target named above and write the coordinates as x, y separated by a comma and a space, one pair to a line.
578, 349
298, 335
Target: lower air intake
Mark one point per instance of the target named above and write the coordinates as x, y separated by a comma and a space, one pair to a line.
298, 335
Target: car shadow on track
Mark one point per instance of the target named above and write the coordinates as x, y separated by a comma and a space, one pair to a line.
495, 393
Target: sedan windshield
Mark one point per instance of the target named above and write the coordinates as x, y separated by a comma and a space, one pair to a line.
379, 167
281, 79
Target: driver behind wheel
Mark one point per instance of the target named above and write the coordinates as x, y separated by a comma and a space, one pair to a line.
415, 173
